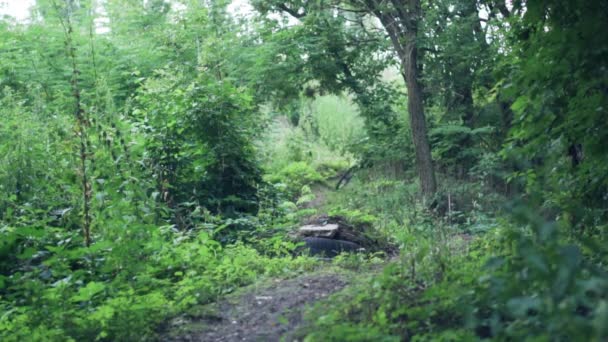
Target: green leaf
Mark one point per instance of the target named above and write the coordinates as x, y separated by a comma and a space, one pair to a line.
27, 253
31, 232
88, 292
520, 104
523, 306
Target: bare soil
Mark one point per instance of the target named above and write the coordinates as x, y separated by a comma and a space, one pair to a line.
268, 313
320, 191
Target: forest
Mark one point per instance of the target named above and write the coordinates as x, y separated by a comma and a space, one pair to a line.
304, 170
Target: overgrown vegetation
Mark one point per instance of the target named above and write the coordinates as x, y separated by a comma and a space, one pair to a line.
158, 155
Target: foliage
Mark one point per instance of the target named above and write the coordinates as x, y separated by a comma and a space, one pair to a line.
186, 145
200, 143
413, 298
28, 168
564, 297
338, 122
295, 176
119, 291
559, 121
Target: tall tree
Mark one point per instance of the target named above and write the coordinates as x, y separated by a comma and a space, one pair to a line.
400, 19
458, 62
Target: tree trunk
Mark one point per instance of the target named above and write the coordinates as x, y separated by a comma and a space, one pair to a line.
400, 20
402, 28
415, 106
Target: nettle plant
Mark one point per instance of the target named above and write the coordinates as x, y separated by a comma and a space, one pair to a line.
199, 143
540, 286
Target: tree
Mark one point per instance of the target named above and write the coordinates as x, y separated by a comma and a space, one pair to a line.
400, 20
404, 38
560, 89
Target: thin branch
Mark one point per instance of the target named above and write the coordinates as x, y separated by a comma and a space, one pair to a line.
293, 13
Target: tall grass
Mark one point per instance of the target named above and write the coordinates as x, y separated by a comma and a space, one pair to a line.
338, 121
328, 126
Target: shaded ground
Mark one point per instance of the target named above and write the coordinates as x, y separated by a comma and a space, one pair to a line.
270, 312
265, 313
320, 191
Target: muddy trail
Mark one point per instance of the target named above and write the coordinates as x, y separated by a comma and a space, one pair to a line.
271, 312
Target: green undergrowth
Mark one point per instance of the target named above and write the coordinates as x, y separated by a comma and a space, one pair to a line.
393, 208
129, 287
311, 149
515, 277
122, 292
292, 178
156, 156
509, 285
414, 293
413, 297
136, 277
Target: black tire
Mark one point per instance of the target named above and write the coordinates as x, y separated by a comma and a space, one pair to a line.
328, 247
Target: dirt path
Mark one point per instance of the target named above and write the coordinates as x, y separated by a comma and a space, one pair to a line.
320, 191
265, 313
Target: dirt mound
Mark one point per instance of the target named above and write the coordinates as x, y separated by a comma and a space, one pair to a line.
339, 228
263, 314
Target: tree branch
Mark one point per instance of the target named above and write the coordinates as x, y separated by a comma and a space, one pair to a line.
293, 13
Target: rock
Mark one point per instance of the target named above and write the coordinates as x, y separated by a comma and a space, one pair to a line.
326, 231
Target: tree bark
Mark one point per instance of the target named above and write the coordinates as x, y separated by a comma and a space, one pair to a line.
402, 28
415, 106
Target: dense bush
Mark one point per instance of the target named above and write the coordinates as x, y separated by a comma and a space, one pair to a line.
58, 290
200, 143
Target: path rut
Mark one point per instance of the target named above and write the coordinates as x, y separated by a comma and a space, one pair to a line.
267, 313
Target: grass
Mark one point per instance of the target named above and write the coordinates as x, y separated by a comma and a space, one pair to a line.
328, 126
